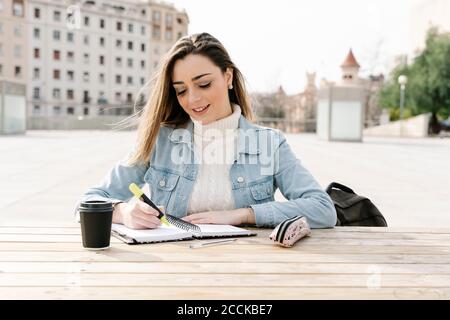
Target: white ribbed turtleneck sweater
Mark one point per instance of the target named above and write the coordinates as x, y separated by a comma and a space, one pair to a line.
215, 145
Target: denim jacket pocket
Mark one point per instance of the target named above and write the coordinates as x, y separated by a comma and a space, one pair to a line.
262, 191
161, 183
161, 179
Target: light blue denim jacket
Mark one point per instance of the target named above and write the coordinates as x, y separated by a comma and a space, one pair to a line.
263, 162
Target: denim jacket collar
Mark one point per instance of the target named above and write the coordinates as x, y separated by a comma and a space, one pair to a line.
185, 134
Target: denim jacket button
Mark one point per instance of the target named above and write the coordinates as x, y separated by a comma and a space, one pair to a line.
162, 183
240, 179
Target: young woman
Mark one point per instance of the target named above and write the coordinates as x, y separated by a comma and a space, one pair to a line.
203, 158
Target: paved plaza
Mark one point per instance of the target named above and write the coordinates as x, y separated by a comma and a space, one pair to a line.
43, 173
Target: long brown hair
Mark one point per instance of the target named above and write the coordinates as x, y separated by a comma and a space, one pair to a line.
162, 107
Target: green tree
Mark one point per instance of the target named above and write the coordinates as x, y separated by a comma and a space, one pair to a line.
428, 88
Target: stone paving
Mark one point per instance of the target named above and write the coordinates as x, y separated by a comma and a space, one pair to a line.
43, 173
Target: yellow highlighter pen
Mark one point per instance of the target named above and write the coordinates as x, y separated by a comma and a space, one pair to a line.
138, 193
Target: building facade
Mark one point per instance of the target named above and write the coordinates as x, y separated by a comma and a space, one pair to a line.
91, 58
13, 41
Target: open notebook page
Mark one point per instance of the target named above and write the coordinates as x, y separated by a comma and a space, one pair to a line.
167, 233
162, 233
211, 230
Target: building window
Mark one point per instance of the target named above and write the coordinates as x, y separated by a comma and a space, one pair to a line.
102, 42
130, 62
70, 56
130, 45
70, 111
37, 53
86, 58
86, 39
56, 35
17, 71
156, 32
37, 33
143, 47
56, 93
56, 55
36, 109
142, 63
17, 51
169, 35
57, 15
36, 73
37, 13
169, 19
118, 43
118, 79
101, 77
70, 37
118, 61
17, 31
70, 94
118, 96
156, 16
143, 30
86, 98
130, 80
56, 74
130, 28
142, 81
101, 60
17, 8
70, 75
86, 21
56, 110
86, 76
36, 93
85, 111
119, 26
102, 24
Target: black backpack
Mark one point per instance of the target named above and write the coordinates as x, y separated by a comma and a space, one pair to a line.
353, 209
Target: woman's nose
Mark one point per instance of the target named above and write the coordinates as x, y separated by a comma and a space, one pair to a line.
194, 97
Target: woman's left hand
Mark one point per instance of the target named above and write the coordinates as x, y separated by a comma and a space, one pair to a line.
232, 217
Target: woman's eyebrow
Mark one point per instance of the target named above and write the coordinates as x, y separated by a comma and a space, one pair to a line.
193, 79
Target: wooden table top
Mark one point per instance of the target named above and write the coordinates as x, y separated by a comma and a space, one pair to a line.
339, 263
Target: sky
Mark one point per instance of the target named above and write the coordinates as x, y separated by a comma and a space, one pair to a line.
276, 42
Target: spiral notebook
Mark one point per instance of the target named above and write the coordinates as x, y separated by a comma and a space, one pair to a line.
171, 233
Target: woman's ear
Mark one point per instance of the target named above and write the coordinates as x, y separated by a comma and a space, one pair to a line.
229, 76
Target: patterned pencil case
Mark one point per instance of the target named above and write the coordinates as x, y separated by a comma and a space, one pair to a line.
288, 232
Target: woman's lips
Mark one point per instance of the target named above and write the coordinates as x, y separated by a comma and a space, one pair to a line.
202, 110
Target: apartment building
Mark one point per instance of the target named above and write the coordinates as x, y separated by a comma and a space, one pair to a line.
13, 68
88, 58
13, 41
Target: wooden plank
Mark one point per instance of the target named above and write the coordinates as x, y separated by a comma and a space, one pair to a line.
211, 255
223, 267
267, 294
227, 280
44, 238
264, 232
235, 248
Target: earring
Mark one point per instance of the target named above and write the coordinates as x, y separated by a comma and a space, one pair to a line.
230, 86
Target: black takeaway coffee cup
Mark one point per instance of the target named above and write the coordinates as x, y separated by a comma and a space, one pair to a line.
96, 221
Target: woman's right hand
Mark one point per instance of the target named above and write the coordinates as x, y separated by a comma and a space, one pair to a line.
136, 215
